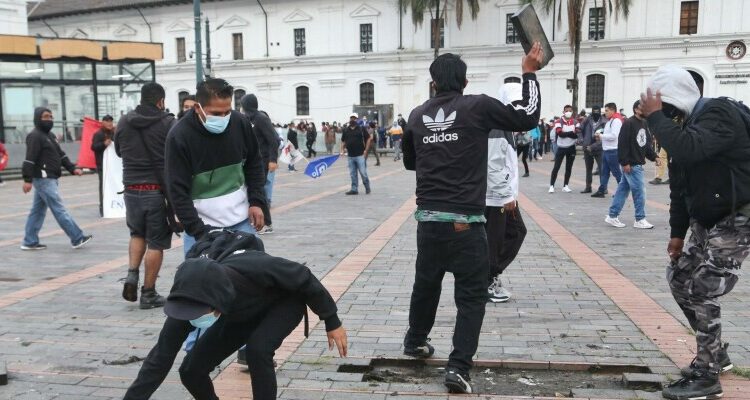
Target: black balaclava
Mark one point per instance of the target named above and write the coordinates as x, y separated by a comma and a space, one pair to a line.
596, 113
44, 126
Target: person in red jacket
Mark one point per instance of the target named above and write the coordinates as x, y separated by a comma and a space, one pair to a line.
567, 129
3, 160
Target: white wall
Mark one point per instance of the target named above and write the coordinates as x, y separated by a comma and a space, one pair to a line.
333, 68
13, 17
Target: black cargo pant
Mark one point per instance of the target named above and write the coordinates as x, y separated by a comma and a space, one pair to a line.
460, 249
505, 234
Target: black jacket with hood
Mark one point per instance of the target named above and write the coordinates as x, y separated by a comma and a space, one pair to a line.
709, 166
44, 157
268, 139
203, 277
445, 142
154, 124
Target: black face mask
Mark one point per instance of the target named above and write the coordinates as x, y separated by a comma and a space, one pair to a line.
671, 112
352, 123
45, 126
596, 116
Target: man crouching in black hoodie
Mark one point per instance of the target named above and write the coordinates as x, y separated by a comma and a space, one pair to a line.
245, 296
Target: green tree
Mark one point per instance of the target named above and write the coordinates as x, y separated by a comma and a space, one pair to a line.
575, 11
420, 7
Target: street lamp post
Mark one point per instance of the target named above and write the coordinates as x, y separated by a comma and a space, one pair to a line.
198, 44
208, 50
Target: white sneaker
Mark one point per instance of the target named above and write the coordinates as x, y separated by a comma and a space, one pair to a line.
642, 224
265, 229
614, 222
498, 294
551, 189
566, 189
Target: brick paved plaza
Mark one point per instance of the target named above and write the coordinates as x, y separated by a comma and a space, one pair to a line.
583, 294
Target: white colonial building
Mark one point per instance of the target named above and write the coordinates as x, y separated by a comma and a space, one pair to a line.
320, 58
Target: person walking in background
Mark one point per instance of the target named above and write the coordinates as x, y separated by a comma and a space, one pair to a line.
41, 171
311, 135
101, 139
3, 159
610, 161
291, 137
139, 140
396, 133
553, 137
523, 142
592, 148
661, 166
329, 133
633, 149
372, 132
536, 135
566, 130
268, 142
356, 142
186, 104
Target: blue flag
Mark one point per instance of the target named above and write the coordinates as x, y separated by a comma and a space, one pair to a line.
316, 167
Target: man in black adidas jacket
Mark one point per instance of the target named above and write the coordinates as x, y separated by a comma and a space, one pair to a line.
258, 299
708, 141
446, 142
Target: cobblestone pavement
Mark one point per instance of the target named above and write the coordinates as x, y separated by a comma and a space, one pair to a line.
62, 315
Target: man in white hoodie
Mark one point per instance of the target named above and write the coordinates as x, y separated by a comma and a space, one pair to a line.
709, 180
610, 160
505, 228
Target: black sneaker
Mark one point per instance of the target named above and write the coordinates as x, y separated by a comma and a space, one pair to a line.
598, 194
655, 181
38, 246
83, 241
526, 175
587, 190
351, 193
130, 288
424, 350
457, 382
151, 299
702, 385
368, 191
724, 362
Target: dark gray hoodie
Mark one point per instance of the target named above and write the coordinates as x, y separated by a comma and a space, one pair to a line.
137, 164
268, 139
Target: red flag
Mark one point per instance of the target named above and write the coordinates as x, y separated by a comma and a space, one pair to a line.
86, 157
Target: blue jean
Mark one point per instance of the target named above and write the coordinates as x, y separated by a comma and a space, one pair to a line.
244, 226
357, 164
396, 144
270, 178
187, 243
632, 182
46, 194
610, 164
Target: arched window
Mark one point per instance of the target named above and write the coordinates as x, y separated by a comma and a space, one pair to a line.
512, 79
594, 90
367, 94
180, 97
238, 94
303, 100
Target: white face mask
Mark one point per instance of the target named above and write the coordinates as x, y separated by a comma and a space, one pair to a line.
568, 114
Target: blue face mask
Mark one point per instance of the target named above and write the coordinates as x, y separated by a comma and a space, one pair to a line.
214, 124
205, 321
